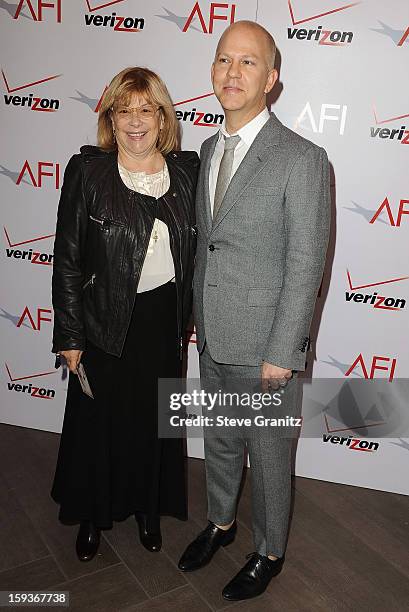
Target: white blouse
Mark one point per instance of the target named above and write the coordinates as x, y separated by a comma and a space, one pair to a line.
158, 267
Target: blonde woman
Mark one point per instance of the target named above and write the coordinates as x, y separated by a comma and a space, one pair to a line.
123, 263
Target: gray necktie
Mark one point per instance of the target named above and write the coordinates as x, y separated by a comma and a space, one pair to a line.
224, 176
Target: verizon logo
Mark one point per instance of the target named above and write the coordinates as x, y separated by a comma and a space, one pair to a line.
30, 388
357, 444
377, 301
28, 255
325, 37
196, 117
30, 101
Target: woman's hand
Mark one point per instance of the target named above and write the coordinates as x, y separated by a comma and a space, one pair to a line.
72, 357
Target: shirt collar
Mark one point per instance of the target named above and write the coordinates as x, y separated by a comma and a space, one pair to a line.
249, 131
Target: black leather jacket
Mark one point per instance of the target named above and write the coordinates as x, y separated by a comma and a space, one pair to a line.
103, 232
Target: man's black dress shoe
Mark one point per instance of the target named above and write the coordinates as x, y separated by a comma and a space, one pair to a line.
87, 541
151, 540
253, 578
200, 551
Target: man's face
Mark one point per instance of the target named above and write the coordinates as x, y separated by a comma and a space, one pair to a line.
240, 73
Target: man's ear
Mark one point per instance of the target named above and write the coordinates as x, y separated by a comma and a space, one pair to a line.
271, 80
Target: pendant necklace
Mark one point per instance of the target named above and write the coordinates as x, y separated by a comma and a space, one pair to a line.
155, 235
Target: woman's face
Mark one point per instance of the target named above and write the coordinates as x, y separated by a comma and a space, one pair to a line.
137, 127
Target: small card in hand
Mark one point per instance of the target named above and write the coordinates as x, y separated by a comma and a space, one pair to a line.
84, 381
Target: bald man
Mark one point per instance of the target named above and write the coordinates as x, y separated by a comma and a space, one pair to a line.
263, 215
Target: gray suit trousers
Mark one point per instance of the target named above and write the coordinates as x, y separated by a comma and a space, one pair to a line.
270, 460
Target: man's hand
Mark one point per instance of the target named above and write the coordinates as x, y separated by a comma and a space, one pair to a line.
273, 377
73, 358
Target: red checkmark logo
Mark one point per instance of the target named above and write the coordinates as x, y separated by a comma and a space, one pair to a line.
337, 10
386, 282
353, 427
101, 6
378, 122
193, 99
14, 244
19, 87
25, 377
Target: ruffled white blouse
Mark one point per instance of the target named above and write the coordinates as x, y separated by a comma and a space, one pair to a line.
158, 267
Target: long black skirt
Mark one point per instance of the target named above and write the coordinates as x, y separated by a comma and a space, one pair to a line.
111, 462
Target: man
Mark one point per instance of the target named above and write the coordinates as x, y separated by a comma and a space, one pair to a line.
263, 211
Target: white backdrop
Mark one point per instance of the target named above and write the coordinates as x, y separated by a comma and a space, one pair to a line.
343, 85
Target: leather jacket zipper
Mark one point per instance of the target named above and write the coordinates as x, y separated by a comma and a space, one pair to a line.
90, 281
100, 221
178, 296
132, 198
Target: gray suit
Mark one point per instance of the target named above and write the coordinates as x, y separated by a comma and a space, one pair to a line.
258, 269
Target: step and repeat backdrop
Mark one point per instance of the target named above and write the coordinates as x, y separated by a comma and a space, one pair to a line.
343, 84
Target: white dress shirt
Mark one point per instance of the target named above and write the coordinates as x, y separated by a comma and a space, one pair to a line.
158, 267
247, 135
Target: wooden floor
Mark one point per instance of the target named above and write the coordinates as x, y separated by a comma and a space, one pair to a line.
348, 547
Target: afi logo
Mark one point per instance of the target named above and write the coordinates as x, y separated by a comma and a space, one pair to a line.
34, 321
319, 35
217, 12
398, 36
37, 171
389, 366
197, 117
36, 7
386, 207
93, 103
327, 112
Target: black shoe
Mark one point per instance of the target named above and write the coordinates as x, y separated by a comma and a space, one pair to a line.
200, 551
151, 540
253, 578
87, 541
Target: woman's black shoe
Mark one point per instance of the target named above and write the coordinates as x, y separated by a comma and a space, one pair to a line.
151, 540
87, 541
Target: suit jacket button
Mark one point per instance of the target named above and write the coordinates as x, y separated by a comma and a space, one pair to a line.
211, 247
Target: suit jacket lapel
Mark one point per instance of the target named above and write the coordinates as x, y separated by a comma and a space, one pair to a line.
253, 162
207, 154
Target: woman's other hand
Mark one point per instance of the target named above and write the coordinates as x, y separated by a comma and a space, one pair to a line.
72, 357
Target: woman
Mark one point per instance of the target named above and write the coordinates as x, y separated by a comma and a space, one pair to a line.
123, 263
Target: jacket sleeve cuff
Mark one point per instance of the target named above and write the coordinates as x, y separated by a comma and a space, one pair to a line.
67, 344
294, 360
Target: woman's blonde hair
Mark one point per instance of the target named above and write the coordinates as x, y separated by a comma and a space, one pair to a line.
143, 82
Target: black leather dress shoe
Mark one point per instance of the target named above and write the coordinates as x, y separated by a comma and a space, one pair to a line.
253, 578
200, 551
151, 540
87, 541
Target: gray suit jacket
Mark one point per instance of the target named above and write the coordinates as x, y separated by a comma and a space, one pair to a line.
259, 264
